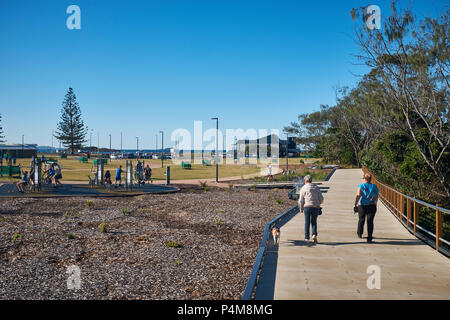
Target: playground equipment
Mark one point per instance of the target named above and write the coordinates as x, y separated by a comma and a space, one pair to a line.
37, 183
139, 172
9, 170
168, 175
129, 174
100, 173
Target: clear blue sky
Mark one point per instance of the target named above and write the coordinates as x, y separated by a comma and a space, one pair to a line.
144, 66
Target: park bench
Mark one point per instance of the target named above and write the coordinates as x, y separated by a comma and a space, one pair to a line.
186, 165
97, 161
206, 162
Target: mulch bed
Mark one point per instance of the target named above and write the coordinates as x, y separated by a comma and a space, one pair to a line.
194, 244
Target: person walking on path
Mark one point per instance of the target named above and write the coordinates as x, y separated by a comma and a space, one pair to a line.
309, 202
366, 203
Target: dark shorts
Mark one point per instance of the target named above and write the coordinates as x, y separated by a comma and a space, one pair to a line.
58, 176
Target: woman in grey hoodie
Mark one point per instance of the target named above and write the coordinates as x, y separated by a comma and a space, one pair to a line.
309, 202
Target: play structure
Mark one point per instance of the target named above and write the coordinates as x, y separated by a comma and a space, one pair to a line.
40, 182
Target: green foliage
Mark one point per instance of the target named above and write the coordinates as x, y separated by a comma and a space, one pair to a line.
124, 211
279, 201
395, 121
173, 244
70, 236
71, 129
204, 185
17, 237
102, 227
89, 203
2, 137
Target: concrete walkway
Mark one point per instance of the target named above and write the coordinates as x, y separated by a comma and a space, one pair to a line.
336, 268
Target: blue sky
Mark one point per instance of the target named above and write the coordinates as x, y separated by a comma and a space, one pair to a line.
139, 67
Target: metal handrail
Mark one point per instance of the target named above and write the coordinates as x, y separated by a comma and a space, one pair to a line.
254, 275
395, 202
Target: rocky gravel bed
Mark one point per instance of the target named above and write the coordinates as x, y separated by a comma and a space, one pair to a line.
194, 244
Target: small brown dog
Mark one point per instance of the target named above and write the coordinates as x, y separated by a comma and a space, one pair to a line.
276, 235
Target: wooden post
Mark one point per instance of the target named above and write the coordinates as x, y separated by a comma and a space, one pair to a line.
439, 227
416, 216
408, 212
402, 207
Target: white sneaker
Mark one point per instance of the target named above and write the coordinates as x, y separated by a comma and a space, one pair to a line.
314, 238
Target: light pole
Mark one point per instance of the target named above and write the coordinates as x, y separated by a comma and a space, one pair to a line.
137, 147
121, 152
110, 145
90, 141
217, 148
162, 149
287, 154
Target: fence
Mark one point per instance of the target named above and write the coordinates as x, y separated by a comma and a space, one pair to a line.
254, 276
407, 210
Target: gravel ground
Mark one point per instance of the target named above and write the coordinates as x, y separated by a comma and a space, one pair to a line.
218, 231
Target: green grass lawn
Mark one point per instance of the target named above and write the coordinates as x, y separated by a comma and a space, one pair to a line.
74, 170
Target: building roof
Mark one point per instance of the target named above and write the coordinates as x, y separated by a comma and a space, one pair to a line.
18, 147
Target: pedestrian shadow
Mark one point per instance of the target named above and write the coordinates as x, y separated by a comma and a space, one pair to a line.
299, 243
375, 241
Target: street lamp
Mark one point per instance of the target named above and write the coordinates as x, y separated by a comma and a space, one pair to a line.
110, 145
217, 148
90, 141
287, 153
137, 147
162, 149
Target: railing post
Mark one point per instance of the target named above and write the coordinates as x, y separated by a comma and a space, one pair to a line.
402, 207
439, 227
416, 216
408, 212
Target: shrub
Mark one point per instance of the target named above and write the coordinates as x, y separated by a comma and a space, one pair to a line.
124, 211
279, 201
2, 219
103, 228
17, 237
70, 236
89, 203
177, 262
173, 244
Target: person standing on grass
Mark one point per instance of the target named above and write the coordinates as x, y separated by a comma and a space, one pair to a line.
366, 202
118, 175
309, 202
58, 174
